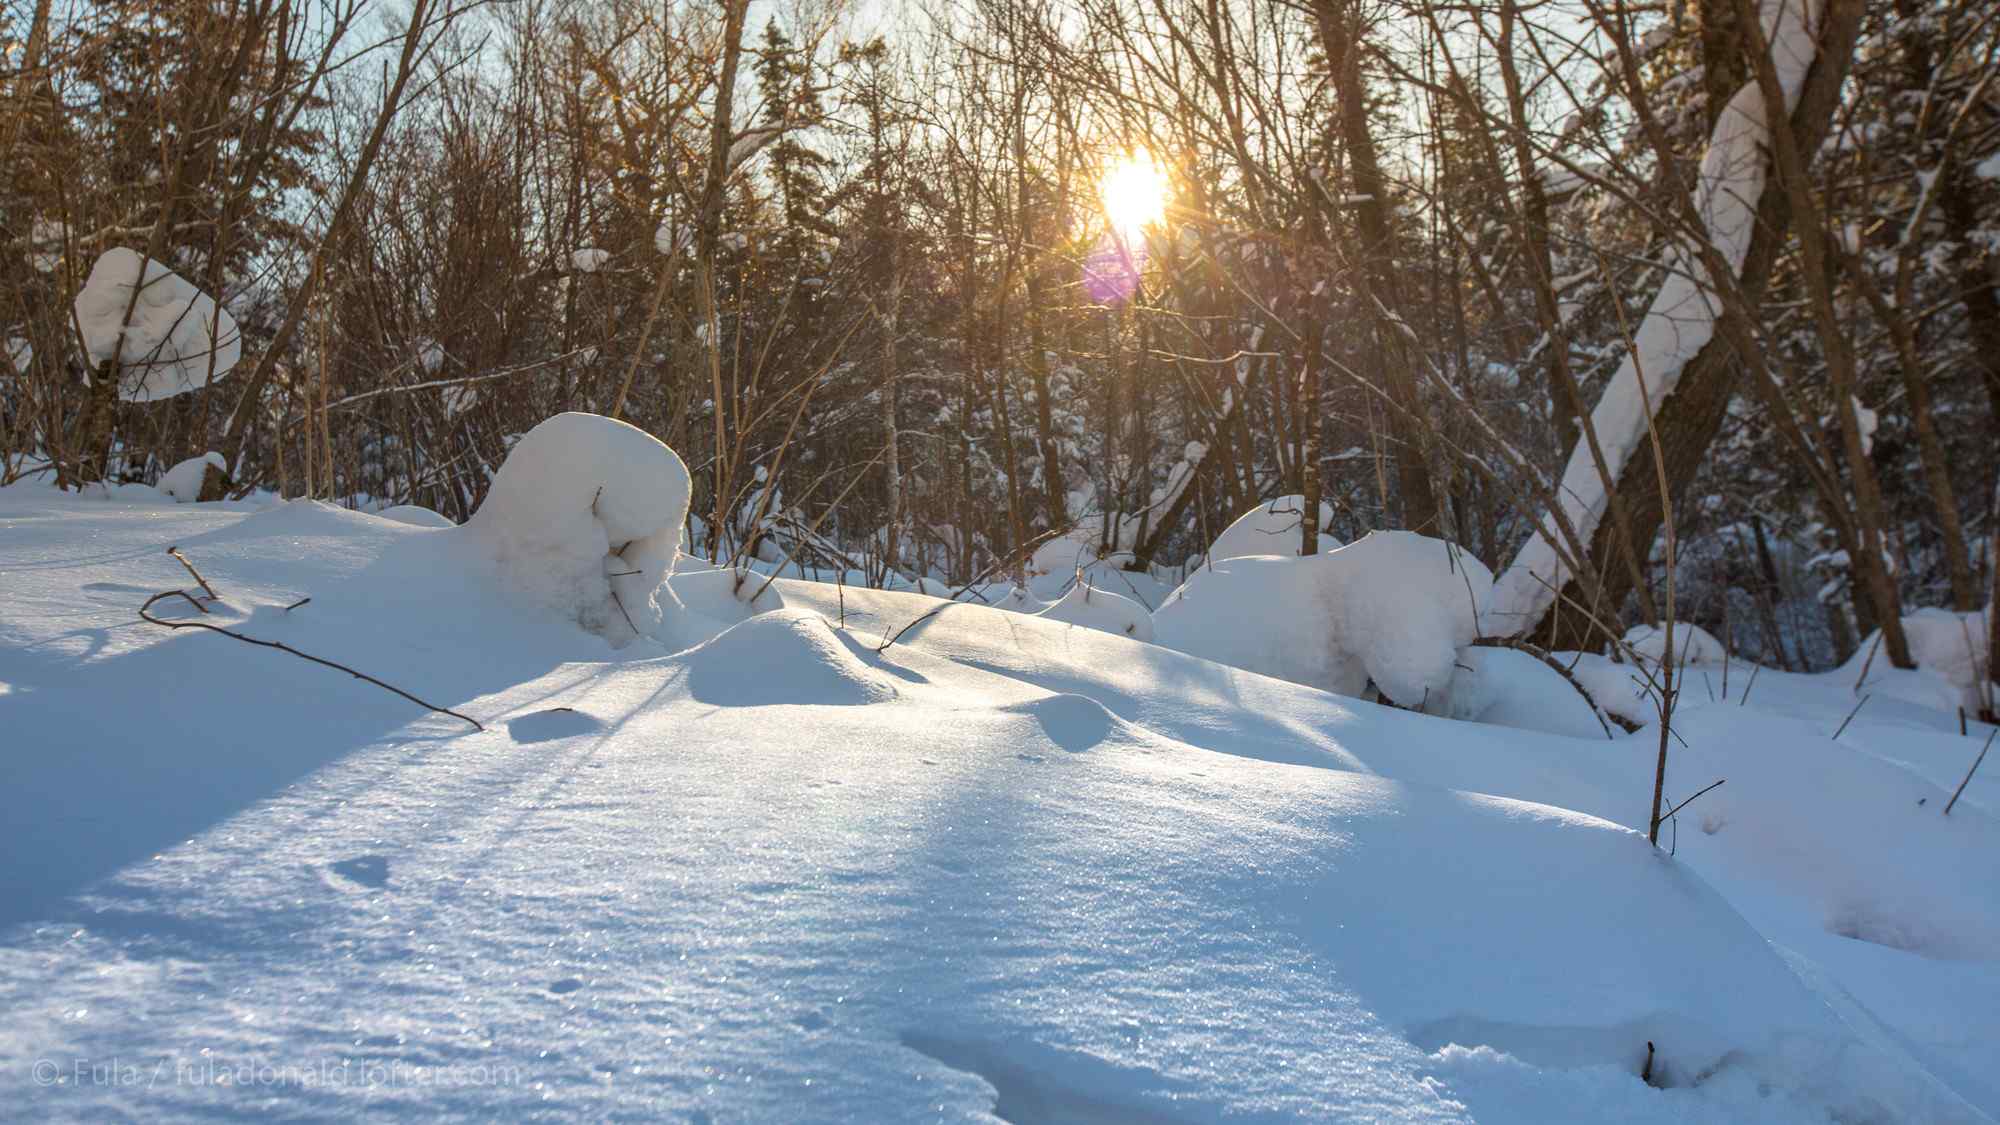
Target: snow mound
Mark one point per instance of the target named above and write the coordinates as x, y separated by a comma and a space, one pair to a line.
712, 599
184, 481
584, 519
1394, 608
1407, 605
1271, 528
1101, 609
786, 656
1953, 647
416, 515
1693, 645
176, 339
1509, 688
1264, 614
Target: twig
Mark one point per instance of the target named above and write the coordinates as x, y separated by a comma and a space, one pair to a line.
205, 587
1604, 718
1850, 716
1693, 799
144, 613
195, 602
296, 604
912, 625
1745, 697
1865, 663
1969, 773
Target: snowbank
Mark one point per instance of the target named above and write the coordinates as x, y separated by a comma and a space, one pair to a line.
584, 519
1101, 609
1394, 608
176, 339
1271, 528
185, 482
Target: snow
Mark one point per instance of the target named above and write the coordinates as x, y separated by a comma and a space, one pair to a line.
1948, 647
1678, 323
415, 515
1393, 609
183, 482
1868, 421
176, 339
1692, 645
796, 870
1508, 688
1094, 608
1271, 528
584, 519
20, 353
589, 259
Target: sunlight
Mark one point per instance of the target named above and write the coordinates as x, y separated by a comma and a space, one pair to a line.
1135, 192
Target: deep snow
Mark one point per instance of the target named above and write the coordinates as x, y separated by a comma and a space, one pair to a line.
1004, 864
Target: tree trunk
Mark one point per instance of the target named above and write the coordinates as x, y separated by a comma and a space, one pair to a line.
1341, 32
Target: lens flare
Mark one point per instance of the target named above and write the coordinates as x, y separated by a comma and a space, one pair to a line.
1134, 190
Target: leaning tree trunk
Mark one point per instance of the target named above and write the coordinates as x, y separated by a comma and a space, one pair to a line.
1689, 401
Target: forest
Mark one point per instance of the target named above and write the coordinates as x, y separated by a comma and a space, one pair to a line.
1657, 310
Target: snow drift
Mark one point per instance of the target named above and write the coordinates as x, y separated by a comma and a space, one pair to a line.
1003, 861
1096, 608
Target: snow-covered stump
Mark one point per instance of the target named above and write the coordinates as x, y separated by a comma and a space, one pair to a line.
196, 480
584, 519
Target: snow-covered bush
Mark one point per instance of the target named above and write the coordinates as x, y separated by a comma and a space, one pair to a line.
584, 518
1394, 608
176, 340
1103, 610
188, 481
1271, 528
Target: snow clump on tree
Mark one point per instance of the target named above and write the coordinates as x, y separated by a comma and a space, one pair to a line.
176, 339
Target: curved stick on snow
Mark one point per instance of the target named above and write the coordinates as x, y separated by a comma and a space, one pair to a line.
145, 612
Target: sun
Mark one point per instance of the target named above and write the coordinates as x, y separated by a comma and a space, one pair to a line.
1135, 192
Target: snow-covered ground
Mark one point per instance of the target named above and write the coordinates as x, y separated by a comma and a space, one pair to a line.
1007, 865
